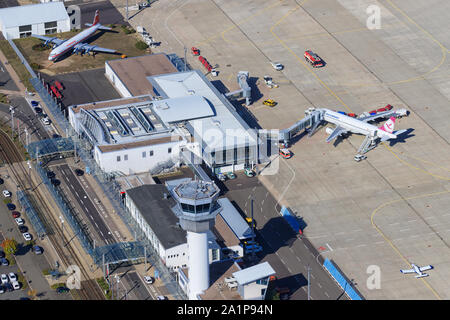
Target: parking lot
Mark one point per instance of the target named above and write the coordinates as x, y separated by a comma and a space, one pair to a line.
387, 211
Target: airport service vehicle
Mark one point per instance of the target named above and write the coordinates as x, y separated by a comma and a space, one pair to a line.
6, 193
269, 82
313, 59
285, 153
230, 175
418, 270
195, 51
277, 66
221, 177
76, 43
270, 103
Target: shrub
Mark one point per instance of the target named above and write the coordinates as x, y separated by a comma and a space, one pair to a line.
141, 45
10, 246
35, 66
39, 47
57, 285
46, 272
6, 201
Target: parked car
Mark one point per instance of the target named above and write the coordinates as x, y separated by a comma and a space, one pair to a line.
15, 214
4, 262
1, 181
37, 110
12, 277
6, 193
8, 287
55, 182
11, 206
20, 221
79, 172
16, 285
161, 298
270, 103
2, 290
62, 289
50, 174
26, 236
277, 66
37, 250
46, 120
231, 175
2, 254
23, 229
34, 103
149, 280
4, 278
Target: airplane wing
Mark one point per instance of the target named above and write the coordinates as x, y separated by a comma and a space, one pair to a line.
425, 268
47, 39
384, 114
407, 271
88, 48
100, 27
337, 132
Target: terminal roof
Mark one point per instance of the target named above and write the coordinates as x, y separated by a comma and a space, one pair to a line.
250, 274
33, 14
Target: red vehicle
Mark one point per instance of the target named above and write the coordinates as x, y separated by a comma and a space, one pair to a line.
388, 107
285, 153
195, 51
55, 92
313, 59
58, 85
16, 214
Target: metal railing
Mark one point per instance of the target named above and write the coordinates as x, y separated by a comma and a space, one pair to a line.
32, 215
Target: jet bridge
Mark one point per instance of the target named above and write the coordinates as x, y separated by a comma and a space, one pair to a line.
313, 118
245, 91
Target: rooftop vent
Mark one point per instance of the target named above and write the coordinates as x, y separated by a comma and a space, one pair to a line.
191, 92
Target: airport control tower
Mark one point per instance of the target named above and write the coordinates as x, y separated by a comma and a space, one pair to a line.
197, 209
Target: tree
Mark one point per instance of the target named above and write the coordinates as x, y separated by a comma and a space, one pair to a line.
9, 246
32, 294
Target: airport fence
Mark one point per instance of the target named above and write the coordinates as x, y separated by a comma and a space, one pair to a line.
340, 278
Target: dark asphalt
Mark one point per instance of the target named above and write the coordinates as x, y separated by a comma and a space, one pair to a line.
6, 83
84, 87
275, 235
8, 3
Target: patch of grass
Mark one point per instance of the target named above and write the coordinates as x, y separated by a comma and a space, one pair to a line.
102, 283
57, 285
39, 47
6, 201
46, 272
22, 280
35, 66
17, 65
141, 45
10, 258
4, 98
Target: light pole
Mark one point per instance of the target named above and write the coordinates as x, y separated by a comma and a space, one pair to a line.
11, 109
118, 281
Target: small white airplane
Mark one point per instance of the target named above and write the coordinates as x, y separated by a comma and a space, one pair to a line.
75, 43
418, 270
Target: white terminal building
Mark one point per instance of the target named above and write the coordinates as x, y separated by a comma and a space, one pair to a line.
163, 120
42, 19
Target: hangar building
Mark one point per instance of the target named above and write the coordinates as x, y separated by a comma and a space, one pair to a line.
42, 19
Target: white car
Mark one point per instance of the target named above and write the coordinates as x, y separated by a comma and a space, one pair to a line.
6, 193
277, 66
26, 236
161, 298
16, 285
12, 277
4, 278
46, 121
149, 279
19, 221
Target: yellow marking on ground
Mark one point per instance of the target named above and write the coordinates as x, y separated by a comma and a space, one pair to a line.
390, 242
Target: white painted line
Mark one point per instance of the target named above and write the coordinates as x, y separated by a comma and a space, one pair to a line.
339, 233
326, 293
378, 242
412, 220
361, 245
405, 229
320, 286
316, 237
331, 249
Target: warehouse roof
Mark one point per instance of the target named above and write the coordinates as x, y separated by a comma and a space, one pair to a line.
134, 71
149, 200
234, 220
33, 14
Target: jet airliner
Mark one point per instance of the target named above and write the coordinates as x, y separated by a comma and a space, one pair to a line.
75, 43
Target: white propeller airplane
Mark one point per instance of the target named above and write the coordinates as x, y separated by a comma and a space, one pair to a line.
418, 270
75, 43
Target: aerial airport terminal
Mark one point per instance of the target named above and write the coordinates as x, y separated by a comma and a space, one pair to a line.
225, 150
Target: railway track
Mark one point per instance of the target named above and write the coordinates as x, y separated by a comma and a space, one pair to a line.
90, 290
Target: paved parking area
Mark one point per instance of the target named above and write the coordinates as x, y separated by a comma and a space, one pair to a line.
386, 211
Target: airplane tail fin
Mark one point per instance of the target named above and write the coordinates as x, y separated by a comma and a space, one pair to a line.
389, 125
96, 18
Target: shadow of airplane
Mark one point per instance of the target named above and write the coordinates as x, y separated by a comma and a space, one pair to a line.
401, 138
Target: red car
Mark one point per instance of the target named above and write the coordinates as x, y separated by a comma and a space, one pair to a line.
16, 214
55, 92
195, 51
313, 59
58, 85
